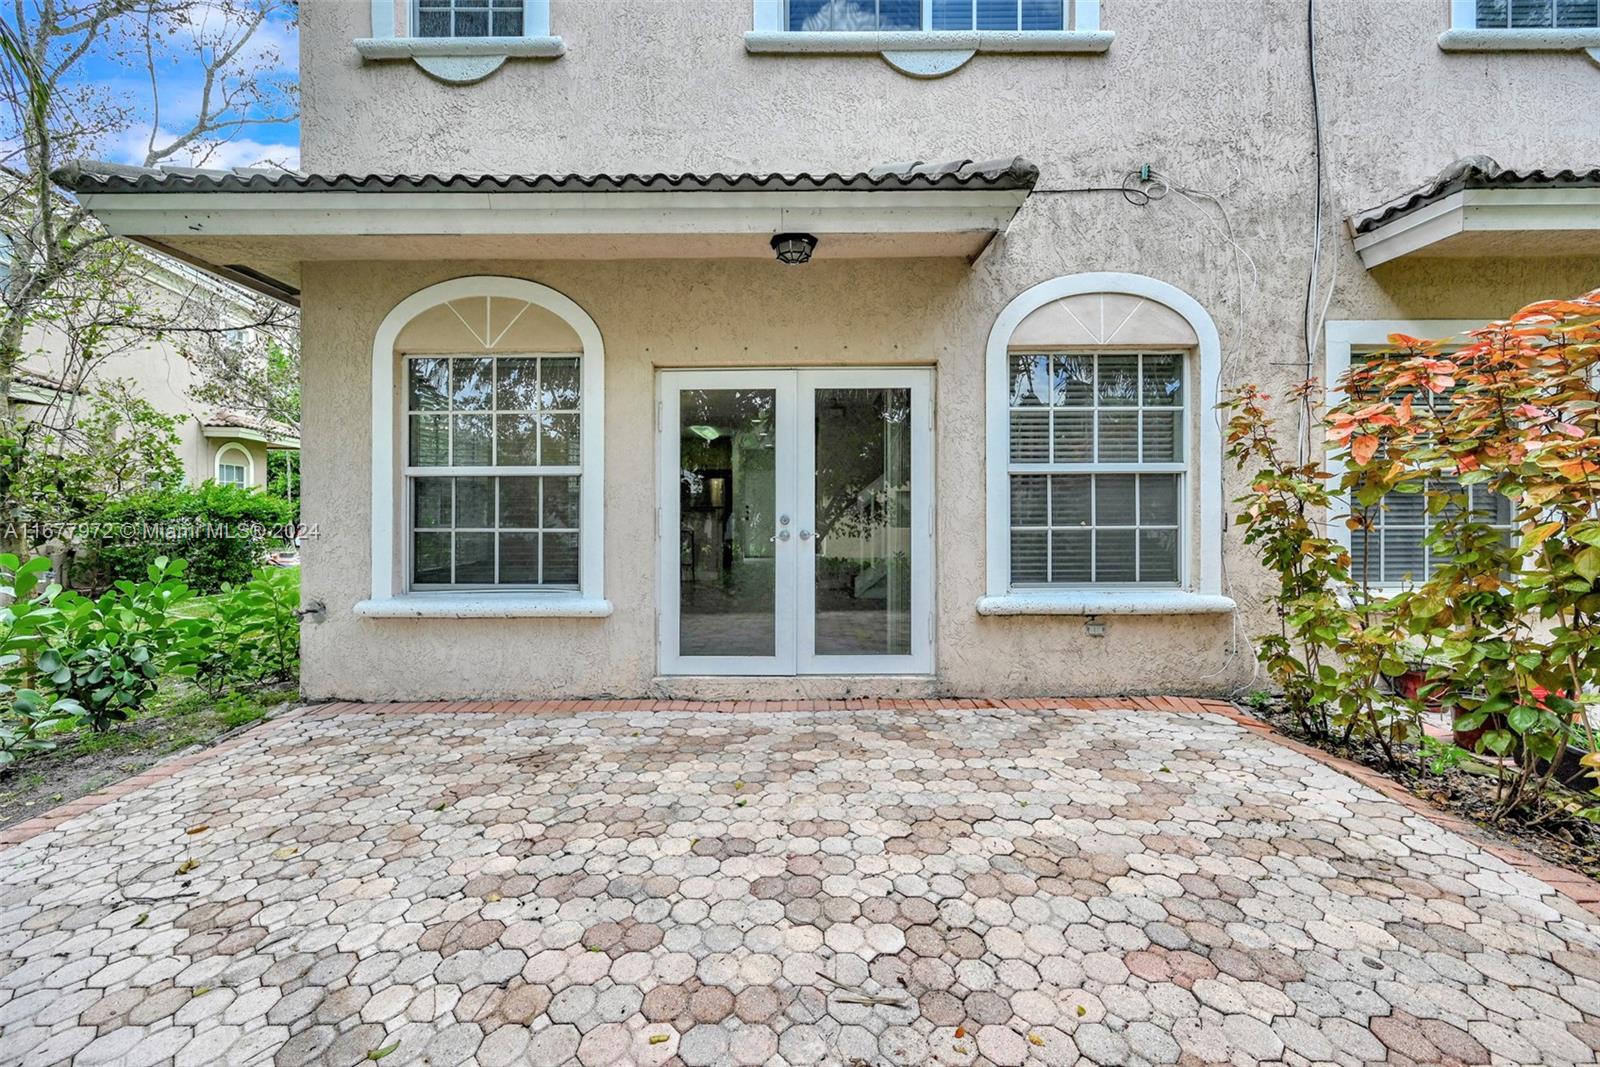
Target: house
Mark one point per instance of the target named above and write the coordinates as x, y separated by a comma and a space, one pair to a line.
839, 347
214, 444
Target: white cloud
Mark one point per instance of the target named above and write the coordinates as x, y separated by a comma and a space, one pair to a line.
238, 152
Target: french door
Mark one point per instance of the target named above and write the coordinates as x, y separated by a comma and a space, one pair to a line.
796, 521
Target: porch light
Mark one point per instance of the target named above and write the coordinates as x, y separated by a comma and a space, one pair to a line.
794, 248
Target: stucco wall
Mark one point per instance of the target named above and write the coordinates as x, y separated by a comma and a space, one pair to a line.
678, 314
1214, 94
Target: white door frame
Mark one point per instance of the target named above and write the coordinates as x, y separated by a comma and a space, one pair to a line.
795, 558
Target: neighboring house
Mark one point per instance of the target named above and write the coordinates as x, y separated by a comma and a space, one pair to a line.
213, 444
664, 367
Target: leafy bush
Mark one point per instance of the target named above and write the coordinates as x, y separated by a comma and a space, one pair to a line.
1332, 649
108, 653
222, 530
27, 620
1509, 622
250, 637
1515, 416
57, 469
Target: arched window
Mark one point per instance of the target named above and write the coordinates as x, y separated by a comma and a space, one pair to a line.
1104, 457
234, 466
487, 457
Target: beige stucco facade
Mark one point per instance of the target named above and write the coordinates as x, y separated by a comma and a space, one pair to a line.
158, 372
1214, 95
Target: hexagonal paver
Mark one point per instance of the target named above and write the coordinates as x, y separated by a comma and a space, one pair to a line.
949, 887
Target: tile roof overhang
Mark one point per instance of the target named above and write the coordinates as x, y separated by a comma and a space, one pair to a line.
232, 425
256, 227
1475, 207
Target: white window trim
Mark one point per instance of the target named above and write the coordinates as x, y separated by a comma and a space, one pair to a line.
1464, 35
393, 600
460, 60
1204, 477
249, 464
1342, 338
926, 53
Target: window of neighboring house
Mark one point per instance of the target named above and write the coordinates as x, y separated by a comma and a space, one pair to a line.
870, 15
468, 18
1097, 468
1391, 550
1536, 14
233, 466
493, 454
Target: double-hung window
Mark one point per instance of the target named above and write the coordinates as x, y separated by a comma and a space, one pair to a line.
814, 16
468, 18
1536, 14
493, 469
1097, 464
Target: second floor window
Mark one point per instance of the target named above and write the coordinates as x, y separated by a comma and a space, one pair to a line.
469, 18
1537, 14
814, 16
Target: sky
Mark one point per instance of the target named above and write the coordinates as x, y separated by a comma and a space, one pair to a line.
117, 74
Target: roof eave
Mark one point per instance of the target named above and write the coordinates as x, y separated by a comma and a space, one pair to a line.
258, 239
1482, 222
216, 431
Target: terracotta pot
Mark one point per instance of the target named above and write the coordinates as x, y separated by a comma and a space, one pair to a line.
1414, 680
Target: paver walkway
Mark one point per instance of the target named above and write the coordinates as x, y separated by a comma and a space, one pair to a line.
922, 887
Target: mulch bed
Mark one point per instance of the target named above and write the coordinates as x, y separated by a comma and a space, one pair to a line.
1558, 837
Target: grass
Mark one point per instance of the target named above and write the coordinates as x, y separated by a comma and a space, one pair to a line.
177, 717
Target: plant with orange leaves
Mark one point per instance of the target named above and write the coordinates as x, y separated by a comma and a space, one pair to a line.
1511, 621
1332, 647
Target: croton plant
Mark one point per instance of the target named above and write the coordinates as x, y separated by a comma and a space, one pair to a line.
1507, 617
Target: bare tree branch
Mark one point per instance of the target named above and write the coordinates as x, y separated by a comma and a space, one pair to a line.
64, 274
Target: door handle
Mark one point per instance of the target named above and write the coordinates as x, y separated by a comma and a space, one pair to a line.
782, 535
805, 535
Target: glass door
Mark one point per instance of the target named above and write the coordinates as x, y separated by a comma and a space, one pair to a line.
728, 546
796, 522
866, 522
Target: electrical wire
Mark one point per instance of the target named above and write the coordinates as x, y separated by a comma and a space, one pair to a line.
1141, 188
1309, 325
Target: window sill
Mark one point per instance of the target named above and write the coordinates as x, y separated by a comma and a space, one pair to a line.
1106, 602
925, 53
485, 606
459, 60
1537, 40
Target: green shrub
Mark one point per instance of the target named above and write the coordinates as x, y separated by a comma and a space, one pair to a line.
250, 636
223, 531
27, 621
108, 653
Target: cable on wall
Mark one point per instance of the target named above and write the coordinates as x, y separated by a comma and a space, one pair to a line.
1312, 325
1141, 188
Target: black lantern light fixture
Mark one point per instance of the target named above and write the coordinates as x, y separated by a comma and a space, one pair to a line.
794, 248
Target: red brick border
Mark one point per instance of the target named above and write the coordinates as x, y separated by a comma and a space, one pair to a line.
1580, 888
17, 833
1192, 705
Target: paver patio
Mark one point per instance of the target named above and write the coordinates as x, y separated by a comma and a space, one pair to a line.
950, 887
